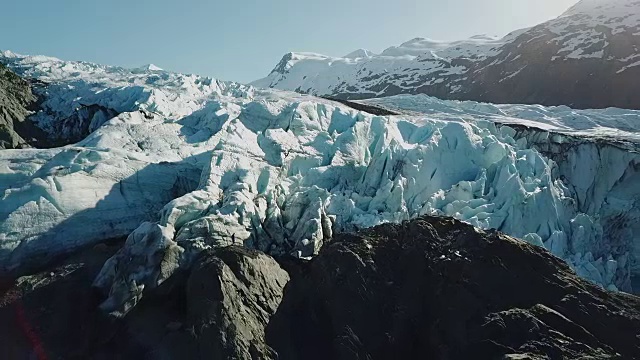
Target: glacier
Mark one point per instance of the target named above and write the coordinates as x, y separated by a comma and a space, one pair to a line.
611, 124
190, 163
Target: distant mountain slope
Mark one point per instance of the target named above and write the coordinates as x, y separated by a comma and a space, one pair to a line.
586, 58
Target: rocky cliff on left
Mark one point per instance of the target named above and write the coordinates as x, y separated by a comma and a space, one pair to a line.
16, 102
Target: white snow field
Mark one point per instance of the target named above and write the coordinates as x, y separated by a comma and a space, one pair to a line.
192, 163
612, 123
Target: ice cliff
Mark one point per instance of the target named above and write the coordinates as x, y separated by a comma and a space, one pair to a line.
190, 163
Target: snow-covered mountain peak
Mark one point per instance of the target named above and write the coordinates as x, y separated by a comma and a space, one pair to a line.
420, 46
601, 7
151, 67
317, 74
617, 15
7, 54
485, 37
586, 58
360, 53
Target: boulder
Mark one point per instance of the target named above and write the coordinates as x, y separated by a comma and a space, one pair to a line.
232, 293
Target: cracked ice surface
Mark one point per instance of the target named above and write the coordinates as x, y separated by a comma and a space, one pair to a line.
285, 174
282, 172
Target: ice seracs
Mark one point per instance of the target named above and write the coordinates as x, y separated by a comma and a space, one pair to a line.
190, 163
287, 173
79, 96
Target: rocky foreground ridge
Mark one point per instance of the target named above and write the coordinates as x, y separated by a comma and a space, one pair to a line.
428, 288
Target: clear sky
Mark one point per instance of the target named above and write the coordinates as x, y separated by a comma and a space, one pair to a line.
243, 40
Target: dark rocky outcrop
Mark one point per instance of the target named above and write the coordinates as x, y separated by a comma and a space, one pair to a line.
53, 312
84, 120
218, 311
429, 288
439, 289
21, 98
371, 109
231, 295
17, 101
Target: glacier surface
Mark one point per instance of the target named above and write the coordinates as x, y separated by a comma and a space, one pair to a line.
614, 124
190, 163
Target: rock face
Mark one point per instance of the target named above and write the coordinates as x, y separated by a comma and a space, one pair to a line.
53, 312
217, 311
430, 288
586, 58
231, 297
16, 99
20, 105
589, 58
437, 288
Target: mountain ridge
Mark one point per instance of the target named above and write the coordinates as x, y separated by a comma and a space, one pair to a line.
585, 58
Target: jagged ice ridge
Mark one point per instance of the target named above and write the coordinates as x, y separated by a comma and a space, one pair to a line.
191, 163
